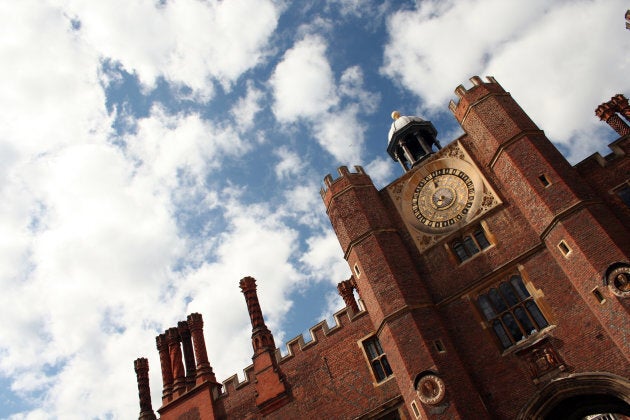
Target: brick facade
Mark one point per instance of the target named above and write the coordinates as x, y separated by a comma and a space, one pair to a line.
514, 305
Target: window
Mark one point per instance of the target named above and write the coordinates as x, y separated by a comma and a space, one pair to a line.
414, 407
544, 180
564, 248
598, 295
511, 312
623, 193
471, 244
378, 359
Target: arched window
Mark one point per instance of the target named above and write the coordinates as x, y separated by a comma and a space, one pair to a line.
511, 311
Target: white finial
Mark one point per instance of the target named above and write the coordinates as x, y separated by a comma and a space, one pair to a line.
395, 115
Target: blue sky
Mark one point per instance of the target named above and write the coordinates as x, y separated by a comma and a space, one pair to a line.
153, 153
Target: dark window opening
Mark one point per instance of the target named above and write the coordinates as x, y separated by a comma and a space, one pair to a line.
470, 245
624, 194
598, 295
544, 181
511, 312
378, 359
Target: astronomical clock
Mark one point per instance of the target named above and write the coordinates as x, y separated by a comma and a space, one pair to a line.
441, 195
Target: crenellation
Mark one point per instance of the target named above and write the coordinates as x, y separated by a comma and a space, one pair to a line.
295, 346
424, 350
476, 80
618, 151
344, 173
469, 97
460, 91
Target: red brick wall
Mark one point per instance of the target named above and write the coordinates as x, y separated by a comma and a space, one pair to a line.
329, 378
414, 299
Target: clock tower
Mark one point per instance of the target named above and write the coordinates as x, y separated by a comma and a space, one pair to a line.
467, 262
494, 283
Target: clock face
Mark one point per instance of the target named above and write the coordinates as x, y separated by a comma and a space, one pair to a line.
443, 197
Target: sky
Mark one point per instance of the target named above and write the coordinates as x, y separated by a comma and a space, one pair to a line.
155, 152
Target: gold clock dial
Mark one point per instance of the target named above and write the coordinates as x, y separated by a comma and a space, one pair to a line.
443, 198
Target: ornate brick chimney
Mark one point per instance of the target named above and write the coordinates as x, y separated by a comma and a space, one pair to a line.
177, 366
609, 112
189, 357
271, 390
141, 367
203, 370
165, 364
346, 290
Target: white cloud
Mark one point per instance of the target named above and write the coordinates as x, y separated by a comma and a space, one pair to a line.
289, 164
246, 108
304, 88
187, 42
35, 76
351, 86
168, 146
341, 134
303, 82
322, 258
381, 171
554, 58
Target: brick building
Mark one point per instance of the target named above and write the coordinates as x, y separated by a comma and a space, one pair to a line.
494, 282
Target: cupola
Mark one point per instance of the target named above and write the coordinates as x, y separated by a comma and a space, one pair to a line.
411, 140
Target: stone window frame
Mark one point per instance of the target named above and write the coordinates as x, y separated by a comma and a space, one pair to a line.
376, 357
622, 193
529, 300
472, 242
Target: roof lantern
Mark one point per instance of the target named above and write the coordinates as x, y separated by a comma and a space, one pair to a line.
411, 140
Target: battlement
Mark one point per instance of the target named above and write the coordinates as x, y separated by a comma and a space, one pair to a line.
295, 346
467, 97
343, 172
619, 148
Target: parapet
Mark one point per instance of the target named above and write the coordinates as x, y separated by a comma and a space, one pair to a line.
468, 97
295, 346
345, 179
619, 148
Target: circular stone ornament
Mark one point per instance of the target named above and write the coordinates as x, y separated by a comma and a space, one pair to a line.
431, 389
619, 282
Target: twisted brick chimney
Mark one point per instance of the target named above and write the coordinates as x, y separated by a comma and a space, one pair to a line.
346, 290
271, 390
610, 113
203, 369
165, 364
141, 367
189, 357
189, 382
175, 352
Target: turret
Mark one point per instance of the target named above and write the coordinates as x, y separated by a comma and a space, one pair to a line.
396, 299
570, 219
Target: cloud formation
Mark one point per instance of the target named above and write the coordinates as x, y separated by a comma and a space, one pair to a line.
116, 223
558, 60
